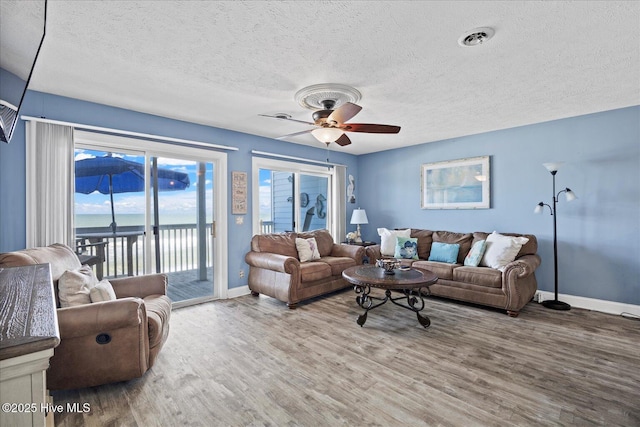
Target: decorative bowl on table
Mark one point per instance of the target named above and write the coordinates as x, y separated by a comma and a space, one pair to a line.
388, 265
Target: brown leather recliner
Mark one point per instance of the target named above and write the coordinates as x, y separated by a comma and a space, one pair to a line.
103, 342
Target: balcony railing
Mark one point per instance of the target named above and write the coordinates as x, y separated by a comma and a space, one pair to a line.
124, 252
266, 227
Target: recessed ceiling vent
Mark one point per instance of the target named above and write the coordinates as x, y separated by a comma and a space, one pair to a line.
313, 97
476, 37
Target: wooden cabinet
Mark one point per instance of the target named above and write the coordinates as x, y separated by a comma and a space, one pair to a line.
28, 335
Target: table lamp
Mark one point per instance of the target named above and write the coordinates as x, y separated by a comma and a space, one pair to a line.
358, 217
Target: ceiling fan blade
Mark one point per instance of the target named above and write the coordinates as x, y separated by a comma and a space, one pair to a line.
369, 128
344, 113
343, 140
294, 134
288, 119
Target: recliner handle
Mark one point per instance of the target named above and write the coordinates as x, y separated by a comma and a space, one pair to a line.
103, 338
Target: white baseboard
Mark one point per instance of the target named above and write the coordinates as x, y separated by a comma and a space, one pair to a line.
238, 292
610, 307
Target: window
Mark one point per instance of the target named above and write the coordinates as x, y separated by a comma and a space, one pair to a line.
291, 196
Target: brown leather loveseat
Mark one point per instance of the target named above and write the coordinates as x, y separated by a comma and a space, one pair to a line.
275, 268
108, 341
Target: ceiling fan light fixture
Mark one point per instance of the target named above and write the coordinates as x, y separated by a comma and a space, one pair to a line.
327, 135
476, 37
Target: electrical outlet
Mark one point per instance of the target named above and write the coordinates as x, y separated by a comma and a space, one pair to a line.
241, 274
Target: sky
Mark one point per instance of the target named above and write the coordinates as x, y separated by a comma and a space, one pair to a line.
265, 194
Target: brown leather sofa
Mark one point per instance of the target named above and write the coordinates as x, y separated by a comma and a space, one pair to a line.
135, 325
509, 290
275, 268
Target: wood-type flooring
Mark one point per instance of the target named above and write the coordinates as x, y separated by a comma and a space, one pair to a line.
252, 362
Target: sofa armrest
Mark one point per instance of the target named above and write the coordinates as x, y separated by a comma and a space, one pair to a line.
100, 317
373, 252
523, 266
275, 262
140, 286
351, 251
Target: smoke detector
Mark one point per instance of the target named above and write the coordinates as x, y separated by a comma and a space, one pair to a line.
314, 97
476, 37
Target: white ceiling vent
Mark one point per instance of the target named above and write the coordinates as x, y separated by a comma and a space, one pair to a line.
313, 97
476, 37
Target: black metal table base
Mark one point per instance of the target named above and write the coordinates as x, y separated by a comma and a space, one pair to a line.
414, 302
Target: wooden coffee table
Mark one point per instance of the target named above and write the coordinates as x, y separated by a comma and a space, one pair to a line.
412, 283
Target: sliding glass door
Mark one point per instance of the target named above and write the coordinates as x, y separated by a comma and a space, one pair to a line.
313, 194
183, 221
110, 211
292, 197
154, 210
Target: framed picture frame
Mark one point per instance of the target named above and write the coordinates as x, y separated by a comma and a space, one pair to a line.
238, 193
456, 184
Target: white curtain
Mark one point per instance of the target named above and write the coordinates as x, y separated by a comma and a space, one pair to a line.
49, 184
340, 212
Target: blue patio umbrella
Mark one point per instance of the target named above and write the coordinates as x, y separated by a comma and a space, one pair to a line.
109, 175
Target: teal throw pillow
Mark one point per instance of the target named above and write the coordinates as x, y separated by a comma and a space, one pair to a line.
444, 252
475, 254
406, 248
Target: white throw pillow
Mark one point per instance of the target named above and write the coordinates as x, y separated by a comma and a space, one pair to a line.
307, 249
501, 250
74, 286
388, 240
103, 291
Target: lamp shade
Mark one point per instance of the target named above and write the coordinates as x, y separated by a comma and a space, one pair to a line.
538, 209
570, 195
359, 216
327, 135
553, 166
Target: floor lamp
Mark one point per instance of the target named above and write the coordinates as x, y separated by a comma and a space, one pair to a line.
555, 304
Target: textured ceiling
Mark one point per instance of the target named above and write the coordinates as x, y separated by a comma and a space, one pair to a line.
223, 63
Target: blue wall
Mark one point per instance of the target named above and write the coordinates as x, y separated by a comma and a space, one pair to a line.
598, 234
12, 162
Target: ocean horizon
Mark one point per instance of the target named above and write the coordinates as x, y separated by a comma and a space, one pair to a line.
104, 220
123, 220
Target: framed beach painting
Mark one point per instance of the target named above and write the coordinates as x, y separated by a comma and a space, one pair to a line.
456, 184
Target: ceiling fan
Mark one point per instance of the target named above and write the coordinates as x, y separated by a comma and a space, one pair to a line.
331, 124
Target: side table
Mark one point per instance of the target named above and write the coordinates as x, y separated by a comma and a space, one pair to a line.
365, 244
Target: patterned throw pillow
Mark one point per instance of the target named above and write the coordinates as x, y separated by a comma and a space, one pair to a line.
406, 248
307, 249
444, 252
475, 254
